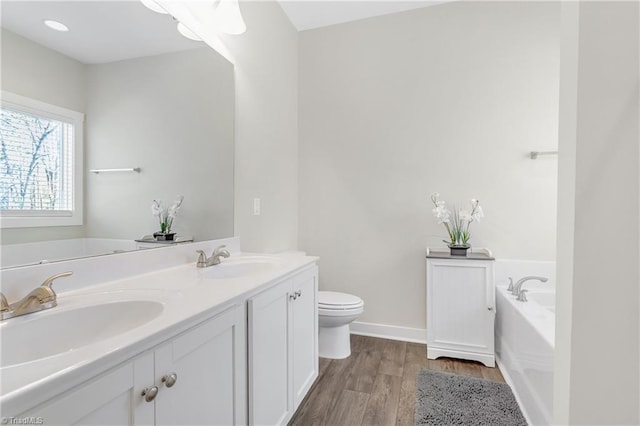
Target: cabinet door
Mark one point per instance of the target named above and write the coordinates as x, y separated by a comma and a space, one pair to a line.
304, 340
460, 305
269, 377
114, 398
205, 361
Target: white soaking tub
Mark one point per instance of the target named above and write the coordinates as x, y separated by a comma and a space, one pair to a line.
525, 335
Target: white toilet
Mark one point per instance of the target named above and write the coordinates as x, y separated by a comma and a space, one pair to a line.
335, 312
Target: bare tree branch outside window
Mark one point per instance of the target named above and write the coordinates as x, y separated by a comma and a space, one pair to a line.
31, 160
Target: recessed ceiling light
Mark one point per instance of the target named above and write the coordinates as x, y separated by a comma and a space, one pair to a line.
55, 25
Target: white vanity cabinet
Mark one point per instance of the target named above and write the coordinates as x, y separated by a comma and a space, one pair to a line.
461, 307
114, 398
283, 347
208, 365
199, 376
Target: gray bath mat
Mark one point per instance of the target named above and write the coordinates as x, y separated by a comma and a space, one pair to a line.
447, 399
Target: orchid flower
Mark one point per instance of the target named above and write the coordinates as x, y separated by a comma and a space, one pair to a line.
457, 222
166, 215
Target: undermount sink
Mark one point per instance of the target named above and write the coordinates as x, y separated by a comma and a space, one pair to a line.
52, 332
241, 267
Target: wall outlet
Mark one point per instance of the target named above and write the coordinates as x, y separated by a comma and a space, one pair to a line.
256, 206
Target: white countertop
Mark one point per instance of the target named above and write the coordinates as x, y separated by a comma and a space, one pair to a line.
188, 297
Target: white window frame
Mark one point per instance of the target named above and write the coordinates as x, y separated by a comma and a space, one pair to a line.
40, 218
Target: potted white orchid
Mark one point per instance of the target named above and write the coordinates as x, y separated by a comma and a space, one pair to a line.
165, 216
457, 222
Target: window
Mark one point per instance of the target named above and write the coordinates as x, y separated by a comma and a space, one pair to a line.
41, 161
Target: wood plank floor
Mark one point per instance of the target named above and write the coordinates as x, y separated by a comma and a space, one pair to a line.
376, 385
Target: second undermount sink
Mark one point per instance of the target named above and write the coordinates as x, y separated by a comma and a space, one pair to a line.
241, 267
52, 332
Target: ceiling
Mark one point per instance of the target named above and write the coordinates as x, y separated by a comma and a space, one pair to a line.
309, 14
99, 31
108, 31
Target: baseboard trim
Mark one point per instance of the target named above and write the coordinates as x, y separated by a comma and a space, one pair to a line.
393, 332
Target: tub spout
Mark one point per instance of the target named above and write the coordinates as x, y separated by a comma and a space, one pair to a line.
518, 285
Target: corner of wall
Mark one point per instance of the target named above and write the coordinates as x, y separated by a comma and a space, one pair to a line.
566, 208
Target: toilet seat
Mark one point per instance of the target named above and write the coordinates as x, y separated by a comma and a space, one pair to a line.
334, 301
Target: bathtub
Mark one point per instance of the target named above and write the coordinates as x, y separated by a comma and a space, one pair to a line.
525, 336
50, 251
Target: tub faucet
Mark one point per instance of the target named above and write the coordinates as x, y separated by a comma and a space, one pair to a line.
41, 298
518, 285
204, 261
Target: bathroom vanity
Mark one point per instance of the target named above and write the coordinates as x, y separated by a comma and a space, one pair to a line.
461, 306
231, 344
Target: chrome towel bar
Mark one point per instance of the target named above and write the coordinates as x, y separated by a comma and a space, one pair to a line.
96, 171
534, 154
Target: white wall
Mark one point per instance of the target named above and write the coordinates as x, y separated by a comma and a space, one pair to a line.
602, 308
266, 166
449, 98
31, 70
172, 116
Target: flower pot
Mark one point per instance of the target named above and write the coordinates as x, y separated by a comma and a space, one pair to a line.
459, 250
164, 236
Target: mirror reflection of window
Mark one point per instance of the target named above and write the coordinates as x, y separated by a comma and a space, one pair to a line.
40, 180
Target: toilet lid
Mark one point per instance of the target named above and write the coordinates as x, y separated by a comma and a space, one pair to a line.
335, 300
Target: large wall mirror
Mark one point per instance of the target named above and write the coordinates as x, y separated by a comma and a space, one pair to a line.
152, 100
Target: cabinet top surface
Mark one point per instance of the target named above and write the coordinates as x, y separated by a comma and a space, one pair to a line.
432, 254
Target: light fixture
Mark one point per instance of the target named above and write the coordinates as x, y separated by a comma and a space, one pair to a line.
55, 25
182, 29
153, 5
228, 19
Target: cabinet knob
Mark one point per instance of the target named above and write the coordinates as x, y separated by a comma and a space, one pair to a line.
170, 379
150, 393
490, 308
298, 293
293, 296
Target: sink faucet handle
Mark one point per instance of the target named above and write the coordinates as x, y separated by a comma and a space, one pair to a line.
219, 249
49, 281
202, 259
4, 305
45, 293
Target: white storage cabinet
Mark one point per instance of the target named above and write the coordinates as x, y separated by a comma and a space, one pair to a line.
461, 306
283, 347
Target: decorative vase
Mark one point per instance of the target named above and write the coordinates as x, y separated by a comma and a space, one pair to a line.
458, 250
164, 236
